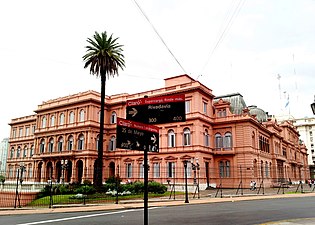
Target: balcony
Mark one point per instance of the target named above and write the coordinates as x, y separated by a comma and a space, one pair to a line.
224, 151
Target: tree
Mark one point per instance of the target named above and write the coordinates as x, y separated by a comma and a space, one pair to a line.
104, 57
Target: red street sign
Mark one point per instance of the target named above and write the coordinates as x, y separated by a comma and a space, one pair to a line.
137, 136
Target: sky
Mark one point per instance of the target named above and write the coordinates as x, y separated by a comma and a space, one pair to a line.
262, 49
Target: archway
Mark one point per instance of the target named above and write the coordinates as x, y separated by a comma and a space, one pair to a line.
111, 169
79, 171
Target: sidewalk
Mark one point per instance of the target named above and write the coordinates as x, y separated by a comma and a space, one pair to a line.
152, 203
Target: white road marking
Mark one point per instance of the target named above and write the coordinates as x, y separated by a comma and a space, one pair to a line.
85, 216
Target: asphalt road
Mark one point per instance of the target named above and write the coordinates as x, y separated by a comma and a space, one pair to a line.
231, 213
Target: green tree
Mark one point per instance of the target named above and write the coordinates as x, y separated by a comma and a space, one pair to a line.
104, 57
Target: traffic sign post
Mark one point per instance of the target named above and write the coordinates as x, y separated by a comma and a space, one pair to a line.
157, 110
138, 136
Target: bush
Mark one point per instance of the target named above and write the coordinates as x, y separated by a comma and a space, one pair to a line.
85, 189
157, 188
2, 179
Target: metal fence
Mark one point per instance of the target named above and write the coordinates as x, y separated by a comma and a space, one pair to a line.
198, 181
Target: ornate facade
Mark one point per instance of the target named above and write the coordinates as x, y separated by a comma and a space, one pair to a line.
230, 143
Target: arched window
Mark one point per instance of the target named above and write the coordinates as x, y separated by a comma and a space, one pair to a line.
262, 169
112, 143
255, 168
224, 167
18, 152
186, 137
81, 115
97, 142
51, 145
206, 138
70, 143
44, 122
218, 141
171, 139
32, 151
113, 118
11, 153
52, 121
71, 117
60, 144
253, 140
267, 169
227, 141
25, 151
81, 142
42, 146
61, 119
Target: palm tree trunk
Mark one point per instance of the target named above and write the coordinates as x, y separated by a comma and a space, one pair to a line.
99, 164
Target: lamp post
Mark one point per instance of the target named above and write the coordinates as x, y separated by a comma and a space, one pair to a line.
196, 169
19, 177
64, 166
186, 188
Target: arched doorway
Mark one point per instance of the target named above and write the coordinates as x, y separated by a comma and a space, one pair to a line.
49, 171
80, 171
111, 169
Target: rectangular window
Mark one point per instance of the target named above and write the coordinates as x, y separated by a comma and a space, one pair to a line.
205, 106
187, 106
189, 169
20, 132
128, 170
156, 170
14, 133
141, 170
27, 131
171, 169
33, 130
171, 140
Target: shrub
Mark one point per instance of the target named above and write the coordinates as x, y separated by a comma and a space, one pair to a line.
157, 188
2, 179
85, 189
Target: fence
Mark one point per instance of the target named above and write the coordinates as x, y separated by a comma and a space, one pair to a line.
200, 181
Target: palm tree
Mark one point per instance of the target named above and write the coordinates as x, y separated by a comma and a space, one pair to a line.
104, 57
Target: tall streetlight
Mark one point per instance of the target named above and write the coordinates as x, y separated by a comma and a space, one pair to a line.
196, 169
19, 177
64, 166
186, 188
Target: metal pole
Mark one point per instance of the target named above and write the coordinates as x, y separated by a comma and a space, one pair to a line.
17, 188
145, 195
186, 188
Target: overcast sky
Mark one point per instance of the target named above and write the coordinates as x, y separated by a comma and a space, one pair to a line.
229, 46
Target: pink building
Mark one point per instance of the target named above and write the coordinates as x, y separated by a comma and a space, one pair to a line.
225, 142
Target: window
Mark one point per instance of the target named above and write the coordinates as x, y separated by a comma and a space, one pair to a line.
44, 122
14, 133
81, 115
128, 170
20, 132
71, 117
141, 170
18, 152
81, 142
25, 152
99, 116
156, 170
227, 141
30, 172
224, 167
97, 142
42, 146
33, 129
27, 131
113, 118
32, 151
206, 138
112, 143
189, 169
267, 170
51, 145
11, 153
205, 106
60, 144
187, 106
218, 141
186, 137
52, 121
171, 138
61, 119
171, 169
70, 143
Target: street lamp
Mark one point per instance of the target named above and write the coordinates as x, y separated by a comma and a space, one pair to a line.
196, 169
186, 188
20, 172
64, 166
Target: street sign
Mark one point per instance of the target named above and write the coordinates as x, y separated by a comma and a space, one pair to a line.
157, 110
137, 136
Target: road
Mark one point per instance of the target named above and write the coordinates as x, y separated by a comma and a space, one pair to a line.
238, 212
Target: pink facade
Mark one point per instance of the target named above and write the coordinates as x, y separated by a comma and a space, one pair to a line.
231, 149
